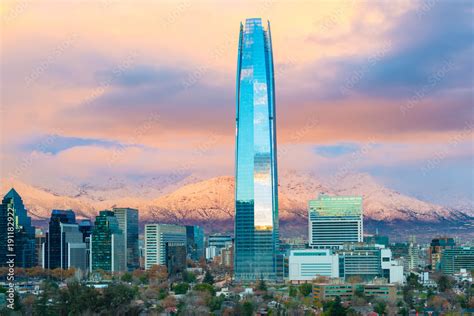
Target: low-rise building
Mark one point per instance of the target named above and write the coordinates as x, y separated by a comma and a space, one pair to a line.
346, 291
306, 265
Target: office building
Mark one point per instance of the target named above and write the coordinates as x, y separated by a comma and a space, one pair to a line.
392, 270
323, 292
157, 236
128, 222
40, 239
195, 242
329, 291
413, 258
362, 261
256, 192
453, 260
85, 227
17, 240
175, 258
64, 246
227, 257
306, 265
334, 221
435, 251
215, 244
107, 244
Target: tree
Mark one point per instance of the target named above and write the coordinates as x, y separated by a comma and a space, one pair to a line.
188, 277
117, 298
444, 283
215, 302
380, 307
71, 299
205, 287
292, 291
412, 282
247, 308
42, 305
158, 273
181, 288
306, 289
208, 278
334, 308
169, 302
127, 277
354, 279
261, 285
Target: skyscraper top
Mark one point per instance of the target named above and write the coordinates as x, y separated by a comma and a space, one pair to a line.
12, 194
64, 216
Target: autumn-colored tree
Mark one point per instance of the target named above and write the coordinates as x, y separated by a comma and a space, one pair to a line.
169, 301
321, 279
437, 301
158, 273
36, 272
354, 279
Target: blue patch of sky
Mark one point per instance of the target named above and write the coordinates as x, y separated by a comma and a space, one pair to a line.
336, 150
54, 144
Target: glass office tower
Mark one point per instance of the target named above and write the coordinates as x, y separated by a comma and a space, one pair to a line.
107, 245
195, 242
256, 198
17, 237
334, 221
54, 247
128, 223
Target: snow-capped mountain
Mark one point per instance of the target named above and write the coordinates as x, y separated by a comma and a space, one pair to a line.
210, 202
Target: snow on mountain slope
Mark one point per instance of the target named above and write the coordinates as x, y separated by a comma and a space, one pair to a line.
210, 202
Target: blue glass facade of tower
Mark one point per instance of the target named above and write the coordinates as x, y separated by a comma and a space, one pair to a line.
55, 246
256, 196
15, 225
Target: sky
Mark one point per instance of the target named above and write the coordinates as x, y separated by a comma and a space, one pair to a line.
91, 89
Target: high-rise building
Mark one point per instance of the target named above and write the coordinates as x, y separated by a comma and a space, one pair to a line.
256, 190
85, 227
195, 242
435, 251
107, 244
157, 236
17, 238
413, 257
64, 246
362, 261
128, 223
227, 257
457, 258
40, 239
216, 243
175, 257
334, 221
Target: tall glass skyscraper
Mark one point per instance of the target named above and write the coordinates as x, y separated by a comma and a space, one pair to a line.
107, 244
64, 246
17, 237
256, 196
128, 222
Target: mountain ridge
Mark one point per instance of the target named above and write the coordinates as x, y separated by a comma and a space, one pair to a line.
210, 202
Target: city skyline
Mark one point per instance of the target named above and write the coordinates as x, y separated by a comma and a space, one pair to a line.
141, 171
347, 60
